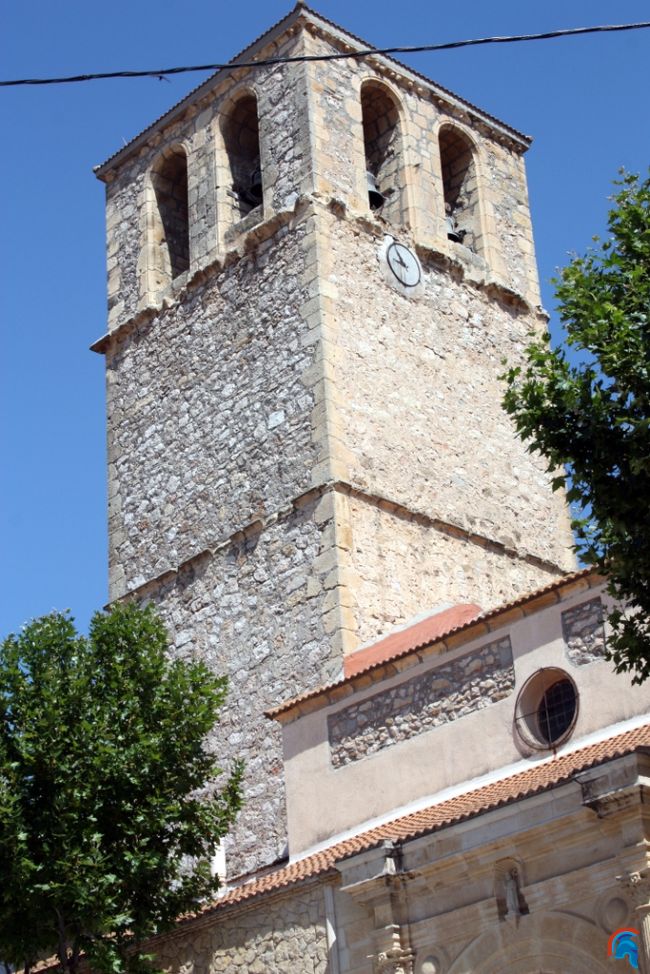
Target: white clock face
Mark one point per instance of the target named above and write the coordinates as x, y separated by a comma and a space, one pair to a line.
404, 264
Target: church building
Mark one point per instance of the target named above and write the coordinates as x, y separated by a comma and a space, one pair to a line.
317, 265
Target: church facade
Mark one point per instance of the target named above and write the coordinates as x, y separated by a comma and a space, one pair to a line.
315, 271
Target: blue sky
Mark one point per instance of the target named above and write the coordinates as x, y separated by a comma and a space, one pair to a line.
584, 100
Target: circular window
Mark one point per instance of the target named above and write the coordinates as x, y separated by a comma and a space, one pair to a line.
546, 709
556, 711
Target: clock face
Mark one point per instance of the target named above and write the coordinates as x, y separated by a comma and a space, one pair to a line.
404, 264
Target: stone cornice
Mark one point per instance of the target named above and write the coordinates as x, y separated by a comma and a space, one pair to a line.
305, 206
259, 524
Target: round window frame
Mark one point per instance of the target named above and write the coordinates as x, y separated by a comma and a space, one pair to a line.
529, 702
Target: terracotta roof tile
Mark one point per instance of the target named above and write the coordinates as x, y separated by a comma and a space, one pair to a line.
422, 632
412, 640
523, 784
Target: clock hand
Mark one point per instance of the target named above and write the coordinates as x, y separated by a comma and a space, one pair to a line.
399, 260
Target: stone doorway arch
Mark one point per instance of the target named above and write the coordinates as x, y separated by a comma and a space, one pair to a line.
547, 943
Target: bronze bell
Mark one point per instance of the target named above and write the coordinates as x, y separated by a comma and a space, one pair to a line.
375, 198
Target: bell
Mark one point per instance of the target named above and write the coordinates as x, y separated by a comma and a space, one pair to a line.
255, 191
375, 198
453, 233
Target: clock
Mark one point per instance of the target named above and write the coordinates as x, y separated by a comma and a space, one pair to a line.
404, 264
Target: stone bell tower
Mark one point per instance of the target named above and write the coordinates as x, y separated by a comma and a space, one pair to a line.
315, 271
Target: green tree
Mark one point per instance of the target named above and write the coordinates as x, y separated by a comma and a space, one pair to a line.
591, 415
109, 812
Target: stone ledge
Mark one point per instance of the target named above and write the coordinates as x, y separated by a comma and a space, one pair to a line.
243, 244
259, 524
248, 240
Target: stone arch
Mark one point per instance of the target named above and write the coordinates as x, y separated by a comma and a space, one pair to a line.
169, 182
242, 176
383, 144
164, 225
549, 942
460, 182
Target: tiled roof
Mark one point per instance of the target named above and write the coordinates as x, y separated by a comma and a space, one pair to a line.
415, 638
535, 779
249, 51
422, 632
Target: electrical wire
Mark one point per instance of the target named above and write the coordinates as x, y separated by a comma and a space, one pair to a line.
161, 73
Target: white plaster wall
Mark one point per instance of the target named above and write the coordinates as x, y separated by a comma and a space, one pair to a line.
323, 802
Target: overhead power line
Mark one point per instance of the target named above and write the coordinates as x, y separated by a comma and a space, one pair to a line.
417, 49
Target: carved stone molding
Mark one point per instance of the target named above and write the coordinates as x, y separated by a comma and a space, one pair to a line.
637, 886
612, 910
394, 961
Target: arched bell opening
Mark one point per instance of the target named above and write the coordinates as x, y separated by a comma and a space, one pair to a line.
460, 186
169, 180
241, 136
382, 141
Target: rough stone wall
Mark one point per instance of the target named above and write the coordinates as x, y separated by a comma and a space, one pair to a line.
282, 362
210, 421
131, 203
448, 692
506, 234
255, 611
124, 232
419, 401
584, 632
399, 565
286, 936
508, 217
336, 127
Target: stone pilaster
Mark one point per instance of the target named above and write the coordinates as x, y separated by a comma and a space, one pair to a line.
637, 885
393, 952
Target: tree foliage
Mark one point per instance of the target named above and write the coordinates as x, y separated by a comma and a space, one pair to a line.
591, 414
102, 757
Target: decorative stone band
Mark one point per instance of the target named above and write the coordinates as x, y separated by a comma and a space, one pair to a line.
417, 705
584, 633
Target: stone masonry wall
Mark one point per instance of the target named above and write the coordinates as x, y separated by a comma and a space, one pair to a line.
419, 400
507, 244
508, 216
398, 566
448, 692
255, 612
283, 936
584, 632
130, 204
210, 420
